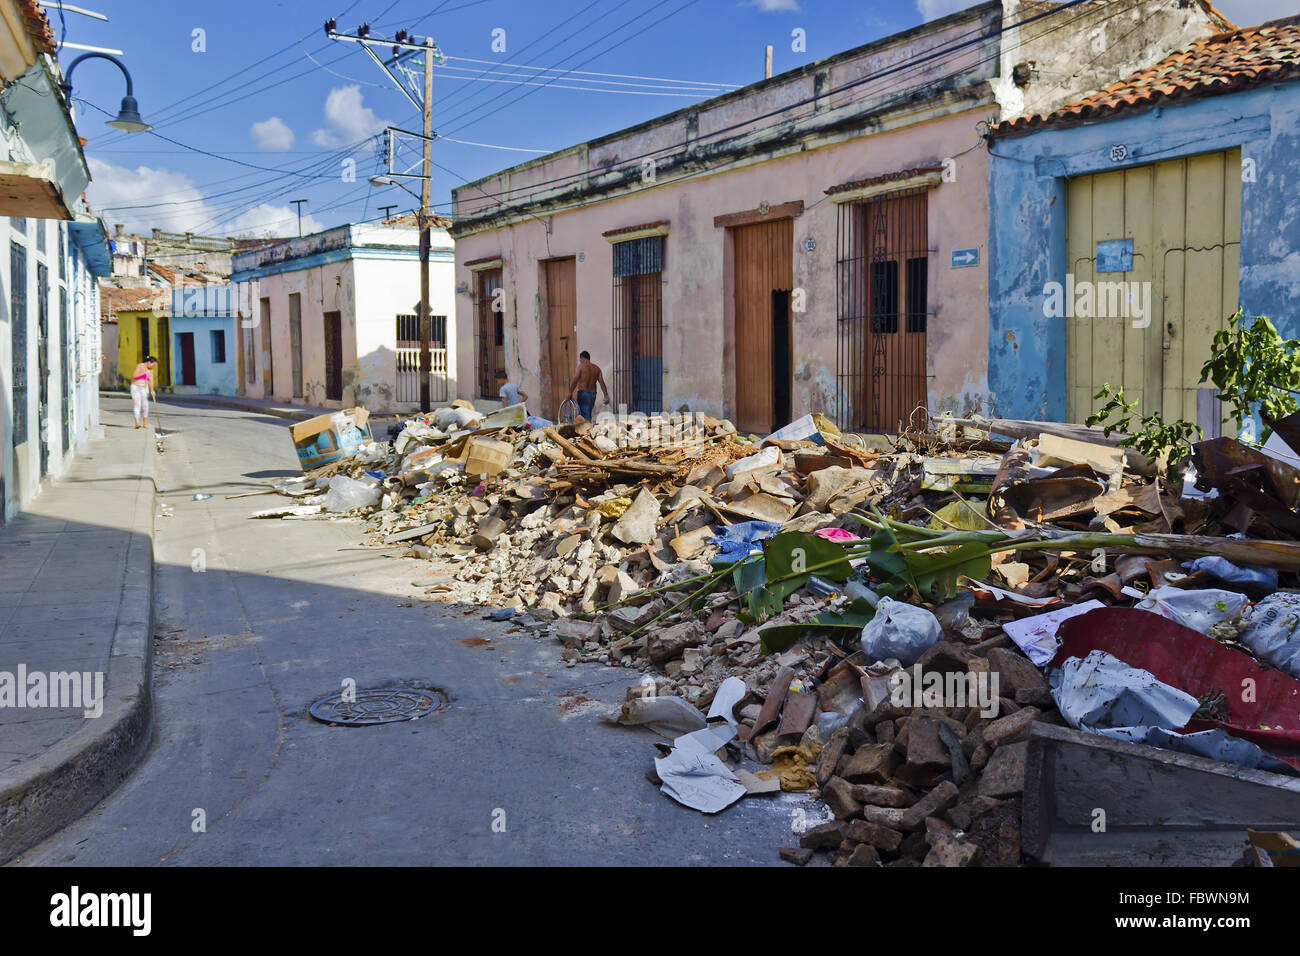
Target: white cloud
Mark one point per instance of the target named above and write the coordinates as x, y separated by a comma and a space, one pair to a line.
773, 6
934, 9
272, 135
1249, 13
348, 119
268, 220
170, 201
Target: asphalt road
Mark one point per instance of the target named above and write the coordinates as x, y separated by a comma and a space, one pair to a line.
517, 769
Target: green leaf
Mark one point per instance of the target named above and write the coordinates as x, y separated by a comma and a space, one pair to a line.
796, 553
937, 573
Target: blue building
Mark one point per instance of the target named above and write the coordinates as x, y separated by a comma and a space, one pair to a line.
1127, 227
203, 340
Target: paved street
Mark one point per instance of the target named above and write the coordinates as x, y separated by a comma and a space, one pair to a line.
284, 613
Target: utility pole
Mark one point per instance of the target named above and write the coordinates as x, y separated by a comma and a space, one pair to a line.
404, 46
387, 211
299, 203
426, 354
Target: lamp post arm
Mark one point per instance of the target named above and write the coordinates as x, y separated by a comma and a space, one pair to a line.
67, 76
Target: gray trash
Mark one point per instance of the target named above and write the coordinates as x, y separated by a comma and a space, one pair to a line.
901, 631
1272, 631
1100, 690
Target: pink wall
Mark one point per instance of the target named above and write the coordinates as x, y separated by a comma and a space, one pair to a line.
699, 372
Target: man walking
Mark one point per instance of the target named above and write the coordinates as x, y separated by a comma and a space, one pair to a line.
583, 387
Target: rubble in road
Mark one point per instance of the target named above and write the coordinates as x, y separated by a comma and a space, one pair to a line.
879, 617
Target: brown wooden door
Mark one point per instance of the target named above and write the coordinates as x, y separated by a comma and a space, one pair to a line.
491, 337
761, 265
561, 328
334, 356
187, 358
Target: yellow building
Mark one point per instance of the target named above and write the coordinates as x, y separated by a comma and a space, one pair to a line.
143, 328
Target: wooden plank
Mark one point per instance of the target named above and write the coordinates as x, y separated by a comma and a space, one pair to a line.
1190, 345
1078, 332
751, 216
1169, 286
1108, 357
1141, 355
561, 322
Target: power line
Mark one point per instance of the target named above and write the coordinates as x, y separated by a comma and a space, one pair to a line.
943, 50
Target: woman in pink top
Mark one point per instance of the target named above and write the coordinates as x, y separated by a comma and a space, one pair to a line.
142, 388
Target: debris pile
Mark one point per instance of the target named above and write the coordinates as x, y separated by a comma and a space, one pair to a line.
877, 622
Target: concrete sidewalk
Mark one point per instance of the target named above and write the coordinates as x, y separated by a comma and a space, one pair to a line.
76, 595
265, 406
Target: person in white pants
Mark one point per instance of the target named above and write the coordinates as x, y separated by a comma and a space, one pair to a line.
142, 387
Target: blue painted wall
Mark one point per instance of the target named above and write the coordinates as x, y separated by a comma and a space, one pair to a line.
1027, 189
211, 378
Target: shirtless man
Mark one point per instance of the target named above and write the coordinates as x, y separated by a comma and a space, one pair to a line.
583, 387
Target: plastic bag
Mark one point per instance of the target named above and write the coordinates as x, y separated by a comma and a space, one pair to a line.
1198, 609
1253, 579
348, 494
900, 631
1274, 631
1100, 690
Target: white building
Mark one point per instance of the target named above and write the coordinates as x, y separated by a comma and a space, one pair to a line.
51, 252
330, 319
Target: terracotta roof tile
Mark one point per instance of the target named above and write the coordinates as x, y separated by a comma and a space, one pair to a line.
637, 228
1223, 63
884, 178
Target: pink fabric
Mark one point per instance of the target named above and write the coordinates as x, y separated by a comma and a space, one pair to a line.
836, 534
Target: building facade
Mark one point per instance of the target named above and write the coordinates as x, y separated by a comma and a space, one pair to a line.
52, 251
330, 319
1129, 225
815, 242
203, 343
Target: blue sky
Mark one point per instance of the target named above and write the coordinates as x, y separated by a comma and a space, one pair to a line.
260, 85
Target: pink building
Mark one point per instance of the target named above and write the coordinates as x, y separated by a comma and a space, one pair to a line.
814, 242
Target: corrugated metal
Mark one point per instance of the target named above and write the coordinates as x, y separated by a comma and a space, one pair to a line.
639, 257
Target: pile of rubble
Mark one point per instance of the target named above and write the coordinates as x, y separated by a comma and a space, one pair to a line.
824, 599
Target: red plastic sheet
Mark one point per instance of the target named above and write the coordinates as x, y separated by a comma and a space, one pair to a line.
1178, 656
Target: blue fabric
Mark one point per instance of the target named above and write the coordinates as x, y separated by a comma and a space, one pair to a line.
586, 402
1263, 578
736, 541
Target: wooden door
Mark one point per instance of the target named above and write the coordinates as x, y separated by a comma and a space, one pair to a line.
334, 356
188, 376
762, 263
295, 344
1176, 226
561, 328
491, 333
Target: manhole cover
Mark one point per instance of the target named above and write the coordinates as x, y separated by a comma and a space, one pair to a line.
384, 705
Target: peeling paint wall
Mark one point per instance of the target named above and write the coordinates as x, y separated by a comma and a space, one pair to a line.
698, 372
1027, 188
922, 117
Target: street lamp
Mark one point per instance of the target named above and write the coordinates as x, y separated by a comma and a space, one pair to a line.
128, 116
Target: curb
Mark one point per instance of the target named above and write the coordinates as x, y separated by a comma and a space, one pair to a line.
42, 796
293, 414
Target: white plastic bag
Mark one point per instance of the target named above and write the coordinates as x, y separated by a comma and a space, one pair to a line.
900, 631
347, 494
1274, 631
1198, 609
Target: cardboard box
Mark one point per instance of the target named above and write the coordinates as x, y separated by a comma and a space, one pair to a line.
330, 437
488, 456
